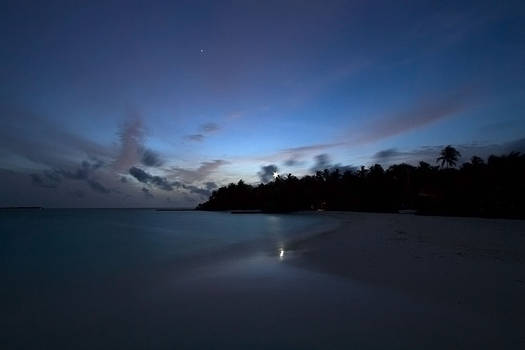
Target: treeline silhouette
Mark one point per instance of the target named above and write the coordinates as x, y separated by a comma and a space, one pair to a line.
495, 188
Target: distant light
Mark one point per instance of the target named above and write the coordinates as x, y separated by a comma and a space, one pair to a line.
275, 174
202, 50
281, 254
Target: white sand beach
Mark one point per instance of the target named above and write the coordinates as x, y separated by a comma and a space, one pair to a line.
471, 265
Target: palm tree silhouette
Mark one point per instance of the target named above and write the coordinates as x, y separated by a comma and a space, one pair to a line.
449, 156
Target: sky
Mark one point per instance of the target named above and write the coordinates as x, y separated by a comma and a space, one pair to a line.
152, 103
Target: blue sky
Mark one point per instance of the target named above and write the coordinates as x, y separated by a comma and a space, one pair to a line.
216, 90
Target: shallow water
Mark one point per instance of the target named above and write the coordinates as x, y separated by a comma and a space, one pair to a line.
55, 263
59, 243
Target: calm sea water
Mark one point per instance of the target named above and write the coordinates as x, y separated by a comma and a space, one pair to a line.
124, 278
58, 244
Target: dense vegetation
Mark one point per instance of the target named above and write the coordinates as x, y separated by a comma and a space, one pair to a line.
493, 188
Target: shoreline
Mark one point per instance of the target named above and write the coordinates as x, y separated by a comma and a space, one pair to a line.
474, 264
233, 253
343, 282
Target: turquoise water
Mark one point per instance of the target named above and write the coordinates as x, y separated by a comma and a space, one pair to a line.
89, 278
53, 244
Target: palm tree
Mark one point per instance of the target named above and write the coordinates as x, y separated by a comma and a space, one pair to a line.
449, 155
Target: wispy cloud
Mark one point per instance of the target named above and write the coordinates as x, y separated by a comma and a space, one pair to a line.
292, 161
81, 173
293, 156
147, 178
31, 138
210, 185
147, 192
202, 192
195, 137
199, 174
164, 184
422, 113
204, 131
311, 148
131, 138
97, 186
84, 173
322, 162
418, 114
47, 168
209, 127
132, 150
151, 158
386, 154
44, 181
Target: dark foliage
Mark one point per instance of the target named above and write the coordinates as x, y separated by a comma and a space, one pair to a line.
449, 156
495, 189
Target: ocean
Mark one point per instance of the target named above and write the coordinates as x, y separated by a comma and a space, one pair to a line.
89, 278
61, 243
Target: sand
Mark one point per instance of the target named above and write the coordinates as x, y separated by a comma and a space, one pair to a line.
471, 265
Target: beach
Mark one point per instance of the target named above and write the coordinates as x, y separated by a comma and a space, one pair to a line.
471, 265
344, 280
